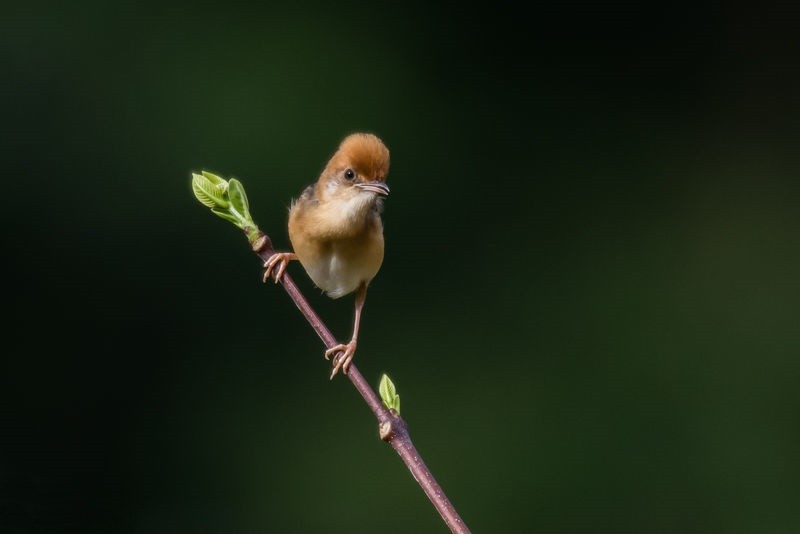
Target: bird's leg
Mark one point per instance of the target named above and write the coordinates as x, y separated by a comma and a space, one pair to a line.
281, 259
346, 352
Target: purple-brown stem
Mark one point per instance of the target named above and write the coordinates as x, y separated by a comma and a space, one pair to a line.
392, 427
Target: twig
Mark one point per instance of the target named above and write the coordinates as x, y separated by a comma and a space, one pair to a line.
393, 429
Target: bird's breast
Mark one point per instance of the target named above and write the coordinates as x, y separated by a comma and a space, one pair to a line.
339, 266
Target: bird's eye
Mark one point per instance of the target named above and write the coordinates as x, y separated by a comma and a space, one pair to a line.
349, 174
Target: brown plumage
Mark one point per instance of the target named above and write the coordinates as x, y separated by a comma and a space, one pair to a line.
336, 230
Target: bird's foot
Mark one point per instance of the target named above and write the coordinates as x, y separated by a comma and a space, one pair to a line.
342, 356
279, 259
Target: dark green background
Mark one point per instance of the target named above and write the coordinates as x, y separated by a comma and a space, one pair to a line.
589, 301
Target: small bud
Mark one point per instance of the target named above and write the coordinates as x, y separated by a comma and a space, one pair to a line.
389, 394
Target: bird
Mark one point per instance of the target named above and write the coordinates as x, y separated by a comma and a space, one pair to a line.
336, 230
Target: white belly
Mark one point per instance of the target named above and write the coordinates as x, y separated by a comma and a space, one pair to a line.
339, 273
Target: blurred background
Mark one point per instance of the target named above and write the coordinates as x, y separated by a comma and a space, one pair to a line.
589, 301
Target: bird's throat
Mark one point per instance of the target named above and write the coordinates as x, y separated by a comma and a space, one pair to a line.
349, 216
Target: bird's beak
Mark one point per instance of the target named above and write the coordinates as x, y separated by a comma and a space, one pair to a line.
377, 187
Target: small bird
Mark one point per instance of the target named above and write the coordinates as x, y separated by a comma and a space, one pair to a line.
336, 230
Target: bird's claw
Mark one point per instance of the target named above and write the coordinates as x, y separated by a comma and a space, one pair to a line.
342, 357
281, 259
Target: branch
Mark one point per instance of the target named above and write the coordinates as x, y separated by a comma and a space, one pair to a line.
393, 429
227, 199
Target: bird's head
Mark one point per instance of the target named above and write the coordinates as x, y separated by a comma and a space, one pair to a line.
357, 171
